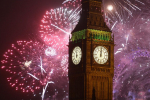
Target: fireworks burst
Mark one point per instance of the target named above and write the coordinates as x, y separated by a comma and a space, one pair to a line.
55, 29
31, 70
129, 21
58, 22
34, 66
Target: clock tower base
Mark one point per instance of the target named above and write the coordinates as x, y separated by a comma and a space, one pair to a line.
90, 87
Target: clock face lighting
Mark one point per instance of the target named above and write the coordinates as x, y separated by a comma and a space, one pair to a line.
100, 54
76, 55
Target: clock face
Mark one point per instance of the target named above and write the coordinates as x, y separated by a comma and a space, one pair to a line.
76, 55
100, 54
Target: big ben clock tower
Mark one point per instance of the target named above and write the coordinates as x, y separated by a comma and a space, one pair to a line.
91, 56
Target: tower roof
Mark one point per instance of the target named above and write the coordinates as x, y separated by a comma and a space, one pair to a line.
91, 16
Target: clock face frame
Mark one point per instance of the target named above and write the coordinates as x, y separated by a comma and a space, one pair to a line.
100, 55
76, 55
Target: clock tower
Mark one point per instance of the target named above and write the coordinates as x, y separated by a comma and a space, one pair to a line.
91, 56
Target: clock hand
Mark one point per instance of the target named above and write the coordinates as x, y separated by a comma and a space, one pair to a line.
101, 53
77, 54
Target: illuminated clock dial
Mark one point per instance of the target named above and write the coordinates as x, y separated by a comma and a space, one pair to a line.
100, 54
76, 55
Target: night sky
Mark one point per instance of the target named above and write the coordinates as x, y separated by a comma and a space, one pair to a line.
21, 19
18, 20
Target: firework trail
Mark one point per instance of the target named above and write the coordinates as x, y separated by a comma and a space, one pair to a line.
73, 4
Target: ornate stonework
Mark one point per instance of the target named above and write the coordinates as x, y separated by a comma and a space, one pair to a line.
89, 80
